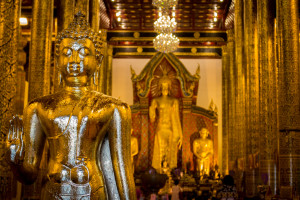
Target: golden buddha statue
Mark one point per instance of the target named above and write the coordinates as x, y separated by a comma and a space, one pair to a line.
134, 149
168, 137
88, 132
203, 150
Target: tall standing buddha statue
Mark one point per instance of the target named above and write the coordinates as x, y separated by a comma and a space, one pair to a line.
88, 132
168, 136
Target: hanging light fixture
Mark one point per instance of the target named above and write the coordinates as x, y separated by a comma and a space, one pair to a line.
166, 42
165, 24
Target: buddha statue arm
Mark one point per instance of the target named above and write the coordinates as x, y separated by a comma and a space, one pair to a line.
119, 140
25, 148
195, 149
152, 109
178, 123
134, 146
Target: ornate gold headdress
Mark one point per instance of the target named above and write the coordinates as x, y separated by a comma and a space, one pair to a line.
165, 78
78, 29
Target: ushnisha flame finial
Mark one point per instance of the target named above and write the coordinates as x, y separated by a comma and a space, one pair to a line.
79, 28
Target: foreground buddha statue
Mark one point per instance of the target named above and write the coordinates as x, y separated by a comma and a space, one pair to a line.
88, 132
168, 136
203, 150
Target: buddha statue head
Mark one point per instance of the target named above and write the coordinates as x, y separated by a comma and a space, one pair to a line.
78, 52
164, 83
204, 133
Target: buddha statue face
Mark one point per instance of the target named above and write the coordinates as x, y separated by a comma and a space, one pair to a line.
77, 61
78, 52
165, 88
203, 133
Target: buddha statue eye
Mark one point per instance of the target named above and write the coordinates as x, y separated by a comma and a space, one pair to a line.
84, 51
66, 51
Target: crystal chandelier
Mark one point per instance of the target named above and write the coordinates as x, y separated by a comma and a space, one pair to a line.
164, 4
166, 42
165, 24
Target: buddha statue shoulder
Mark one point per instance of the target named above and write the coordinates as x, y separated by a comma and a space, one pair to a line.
88, 132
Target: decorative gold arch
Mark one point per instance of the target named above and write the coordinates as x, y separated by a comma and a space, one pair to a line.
184, 87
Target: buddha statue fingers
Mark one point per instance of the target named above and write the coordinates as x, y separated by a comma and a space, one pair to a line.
14, 141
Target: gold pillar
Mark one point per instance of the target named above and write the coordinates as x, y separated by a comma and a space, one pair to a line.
65, 10
231, 101
94, 16
9, 30
103, 69
40, 49
39, 69
109, 70
83, 7
21, 76
240, 89
288, 77
225, 112
65, 13
252, 98
268, 105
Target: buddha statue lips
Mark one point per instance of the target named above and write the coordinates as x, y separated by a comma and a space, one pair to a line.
88, 132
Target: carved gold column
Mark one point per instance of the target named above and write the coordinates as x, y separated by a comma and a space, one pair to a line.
94, 16
231, 100
240, 89
9, 30
102, 81
39, 69
268, 105
40, 49
225, 111
288, 77
21, 76
252, 99
65, 13
109, 70
83, 7
65, 10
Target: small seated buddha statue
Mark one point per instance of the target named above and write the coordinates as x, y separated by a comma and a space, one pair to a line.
203, 150
88, 132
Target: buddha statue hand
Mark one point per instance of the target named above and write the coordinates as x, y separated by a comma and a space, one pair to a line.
180, 143
14, 141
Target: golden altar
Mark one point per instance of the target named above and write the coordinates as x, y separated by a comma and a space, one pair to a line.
192, 117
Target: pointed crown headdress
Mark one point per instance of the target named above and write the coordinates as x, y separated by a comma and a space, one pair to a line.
165, 78
79, 29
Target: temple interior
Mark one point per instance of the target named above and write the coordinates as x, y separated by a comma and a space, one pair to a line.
212, 85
